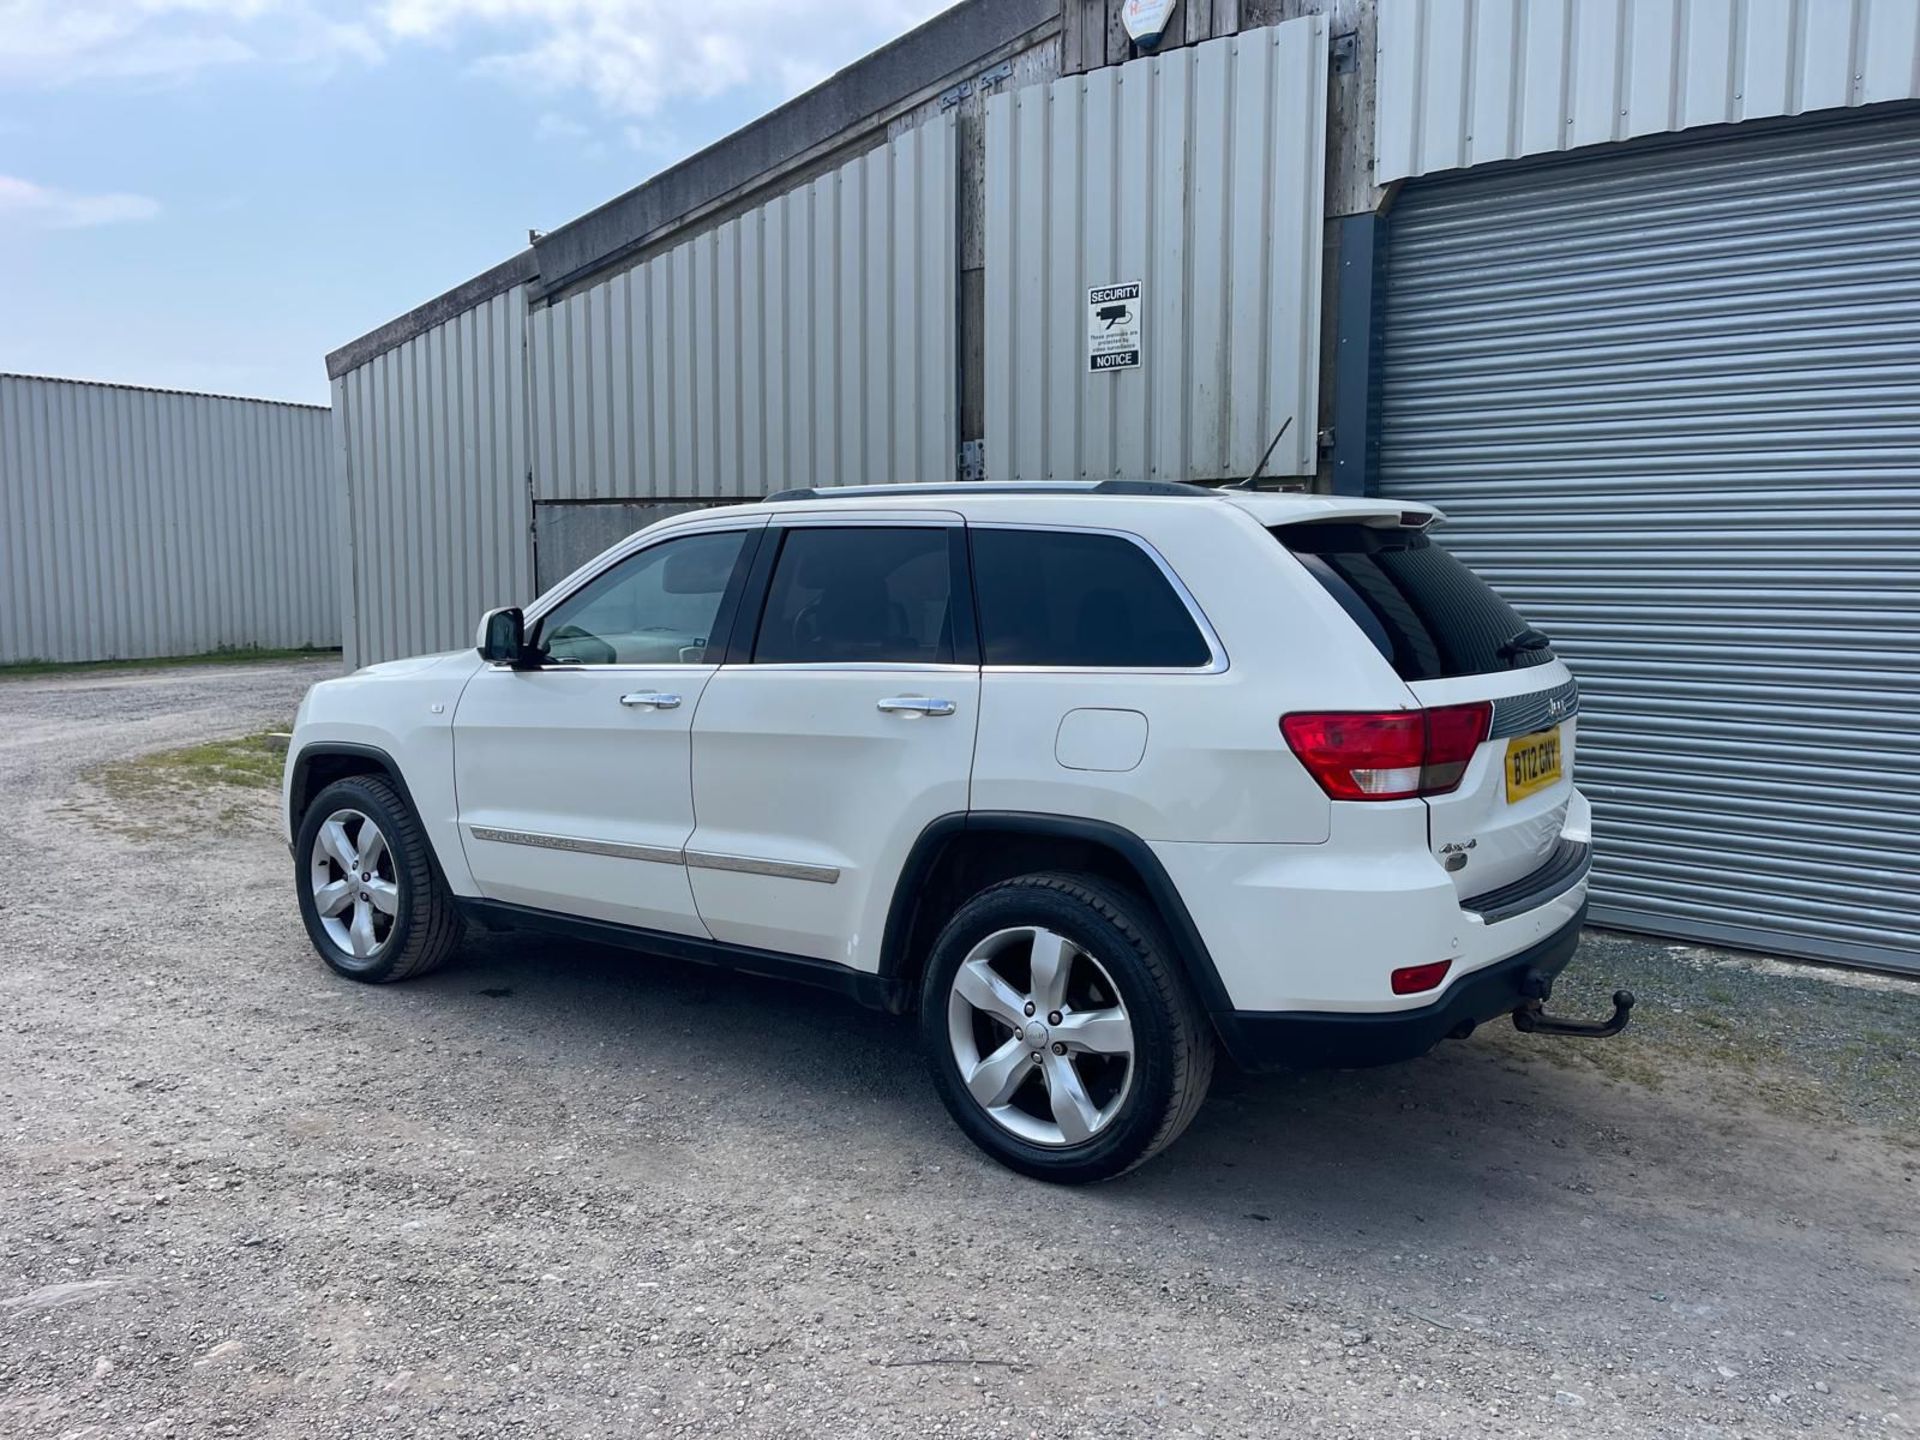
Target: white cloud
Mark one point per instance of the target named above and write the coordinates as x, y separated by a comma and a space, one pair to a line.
631, 58
575, 135
42, 206
634, 57
554, 126
63, 42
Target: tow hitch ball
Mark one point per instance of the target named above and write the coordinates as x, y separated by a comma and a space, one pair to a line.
1532, 1019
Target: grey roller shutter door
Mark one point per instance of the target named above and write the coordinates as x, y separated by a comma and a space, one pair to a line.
1670, 399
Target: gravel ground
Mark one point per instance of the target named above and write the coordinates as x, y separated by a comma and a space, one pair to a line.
557, 1191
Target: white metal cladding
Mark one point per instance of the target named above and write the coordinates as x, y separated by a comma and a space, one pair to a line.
1462, 82
151, 522
430, 444
808, 341
1671, 400
1198, 173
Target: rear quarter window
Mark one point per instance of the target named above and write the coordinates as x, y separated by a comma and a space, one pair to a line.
1073, 600
1428, 614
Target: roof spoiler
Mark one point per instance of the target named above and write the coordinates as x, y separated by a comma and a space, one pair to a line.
1420, 518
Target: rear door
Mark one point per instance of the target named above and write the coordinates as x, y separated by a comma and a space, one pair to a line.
838, 730
1453, 641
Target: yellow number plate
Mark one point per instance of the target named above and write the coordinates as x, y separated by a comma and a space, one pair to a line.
1533, 763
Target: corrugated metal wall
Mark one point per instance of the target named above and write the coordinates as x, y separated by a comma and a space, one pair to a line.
808, 341
1462, 82
1198, 173
1671, 400
150, 522
430, 448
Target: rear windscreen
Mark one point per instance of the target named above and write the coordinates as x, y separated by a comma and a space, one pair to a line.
1431, 616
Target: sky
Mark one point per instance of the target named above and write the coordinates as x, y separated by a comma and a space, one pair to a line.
212, 194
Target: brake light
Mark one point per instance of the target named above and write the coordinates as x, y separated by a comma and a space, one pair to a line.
1388, 755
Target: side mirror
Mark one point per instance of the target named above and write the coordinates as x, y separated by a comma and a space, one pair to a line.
503, 636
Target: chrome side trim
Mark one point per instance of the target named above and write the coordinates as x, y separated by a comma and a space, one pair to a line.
748, 865
860, 667
1524, 714
659, 854
620, 850
664, 668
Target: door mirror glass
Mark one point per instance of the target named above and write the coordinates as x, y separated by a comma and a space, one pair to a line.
503, 636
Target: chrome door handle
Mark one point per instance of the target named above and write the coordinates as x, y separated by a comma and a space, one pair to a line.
911, 705
650, 700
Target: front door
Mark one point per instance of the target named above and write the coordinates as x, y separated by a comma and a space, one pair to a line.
847, 727
573, 775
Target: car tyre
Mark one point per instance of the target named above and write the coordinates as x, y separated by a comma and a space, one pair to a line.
1062, 1037
373, 901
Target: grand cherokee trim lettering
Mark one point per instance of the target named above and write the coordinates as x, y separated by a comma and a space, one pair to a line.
658, 854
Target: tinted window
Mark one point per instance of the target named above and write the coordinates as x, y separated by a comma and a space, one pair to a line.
1054, 598
863, 594
654, 608
1425, 611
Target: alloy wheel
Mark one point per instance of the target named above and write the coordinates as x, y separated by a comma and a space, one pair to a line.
355, 892
1041, 1037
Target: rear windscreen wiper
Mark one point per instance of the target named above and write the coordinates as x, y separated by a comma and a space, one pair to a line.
1528, 639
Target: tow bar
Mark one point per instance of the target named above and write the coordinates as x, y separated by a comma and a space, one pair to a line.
1532, 1019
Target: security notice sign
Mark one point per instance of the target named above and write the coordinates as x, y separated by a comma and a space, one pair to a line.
1113, 326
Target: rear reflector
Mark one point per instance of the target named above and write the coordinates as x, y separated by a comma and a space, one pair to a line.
1388, 755
1415, 979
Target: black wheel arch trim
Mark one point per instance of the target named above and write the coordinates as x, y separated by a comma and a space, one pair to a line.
1190, 950
354, 750
389, 771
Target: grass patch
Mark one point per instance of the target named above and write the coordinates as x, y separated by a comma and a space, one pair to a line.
217, 781
30, 669
251, 760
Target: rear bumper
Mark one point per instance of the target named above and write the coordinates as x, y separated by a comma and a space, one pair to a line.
1333, 1039
1313, 928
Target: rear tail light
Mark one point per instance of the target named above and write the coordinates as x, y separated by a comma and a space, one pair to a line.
1388, 755
1454, 732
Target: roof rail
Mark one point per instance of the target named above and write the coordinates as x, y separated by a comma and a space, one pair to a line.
1031, 487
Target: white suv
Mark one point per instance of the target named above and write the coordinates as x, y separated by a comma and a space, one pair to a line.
1097, 779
